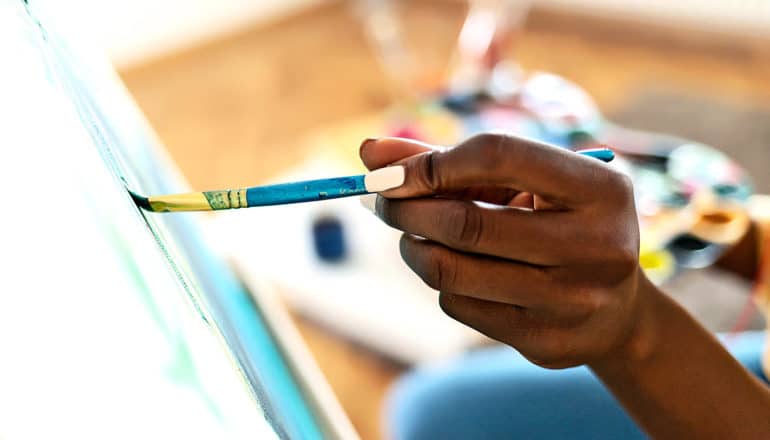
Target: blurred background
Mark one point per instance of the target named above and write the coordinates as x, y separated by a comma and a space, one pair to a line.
243, 92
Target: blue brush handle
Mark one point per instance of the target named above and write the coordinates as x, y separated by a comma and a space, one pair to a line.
336, 187
307, 191
603, 154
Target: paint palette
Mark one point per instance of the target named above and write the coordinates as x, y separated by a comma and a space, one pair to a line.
690, 197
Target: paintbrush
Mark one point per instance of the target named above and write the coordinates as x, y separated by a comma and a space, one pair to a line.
379, 180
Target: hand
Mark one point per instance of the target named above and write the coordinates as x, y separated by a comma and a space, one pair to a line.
532, 245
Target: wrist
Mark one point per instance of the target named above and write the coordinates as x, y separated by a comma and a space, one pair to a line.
642, 338
671, 373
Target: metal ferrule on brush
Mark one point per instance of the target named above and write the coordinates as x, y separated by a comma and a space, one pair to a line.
227, 199
205, 201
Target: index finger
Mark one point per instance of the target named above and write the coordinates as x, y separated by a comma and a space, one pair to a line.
504, 161
377, 153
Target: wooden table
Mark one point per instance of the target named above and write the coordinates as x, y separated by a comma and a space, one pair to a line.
232, 111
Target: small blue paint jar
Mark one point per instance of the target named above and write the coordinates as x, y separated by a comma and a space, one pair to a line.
329, 239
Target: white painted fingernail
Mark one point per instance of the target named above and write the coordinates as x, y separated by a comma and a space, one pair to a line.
385, 178
368, 201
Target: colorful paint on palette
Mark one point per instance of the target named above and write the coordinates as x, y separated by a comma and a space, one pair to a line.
690, 197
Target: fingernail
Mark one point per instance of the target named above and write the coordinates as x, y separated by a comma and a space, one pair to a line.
364, 144
384, 179
368, 201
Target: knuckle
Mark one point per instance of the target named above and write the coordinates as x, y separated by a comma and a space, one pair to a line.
619, 186
428, 172
448, 304
617, 264
440, 270
484, 140
625, 259
556, 351
407, 248
462, 225
554, 363
548, 364
624, 183
435, 265
490, 149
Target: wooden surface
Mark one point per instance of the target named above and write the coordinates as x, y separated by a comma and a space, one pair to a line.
232, 112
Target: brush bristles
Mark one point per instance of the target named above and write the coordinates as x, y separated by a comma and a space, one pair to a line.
142, 202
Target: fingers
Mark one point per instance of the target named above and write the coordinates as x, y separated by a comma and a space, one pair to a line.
515, 234
512, 325
488, 194
476, 276
540, 339
505, 161
377, 153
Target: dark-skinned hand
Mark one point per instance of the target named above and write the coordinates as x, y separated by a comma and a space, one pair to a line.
530, 244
